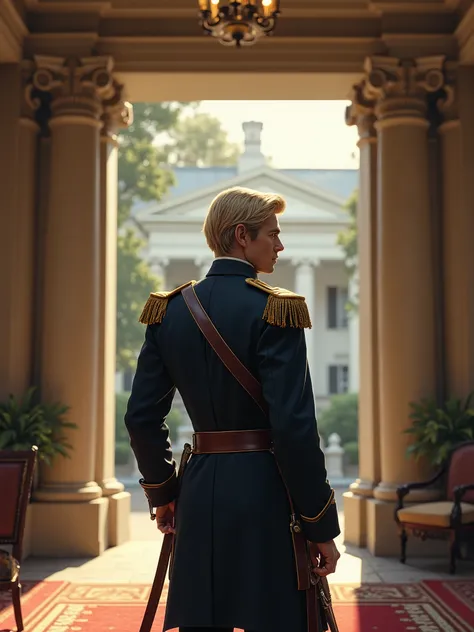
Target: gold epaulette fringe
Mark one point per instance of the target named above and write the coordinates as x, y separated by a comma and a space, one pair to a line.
284, 308
155, 308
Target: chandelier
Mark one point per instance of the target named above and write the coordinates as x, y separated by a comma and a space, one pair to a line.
239, 23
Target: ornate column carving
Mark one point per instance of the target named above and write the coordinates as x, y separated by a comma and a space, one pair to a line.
361, 113
305, 285
399, 88
405, 278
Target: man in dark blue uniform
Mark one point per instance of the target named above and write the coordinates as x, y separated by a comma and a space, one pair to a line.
234, 562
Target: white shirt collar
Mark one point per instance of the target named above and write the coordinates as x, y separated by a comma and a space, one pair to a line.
235, 259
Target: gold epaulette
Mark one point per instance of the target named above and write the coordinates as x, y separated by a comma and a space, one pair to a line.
155, 308
283, 307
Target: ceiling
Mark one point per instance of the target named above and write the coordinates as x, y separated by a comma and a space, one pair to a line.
164, 36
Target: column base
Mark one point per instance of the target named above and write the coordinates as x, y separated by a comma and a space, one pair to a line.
355, 519
69, 529
67, 492
388, 492
119, 518
382, 534
111, 486
362, 487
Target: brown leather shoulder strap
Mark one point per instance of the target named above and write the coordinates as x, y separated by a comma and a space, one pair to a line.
222, 349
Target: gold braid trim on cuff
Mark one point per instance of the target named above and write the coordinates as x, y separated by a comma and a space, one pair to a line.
146, 485
330, 502
150, 486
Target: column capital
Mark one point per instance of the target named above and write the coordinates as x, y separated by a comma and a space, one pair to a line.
203, 261
31, 101
160, 261
305, 262
77, 85
399, 87
117, 113
361, 112
448, 102
159, 264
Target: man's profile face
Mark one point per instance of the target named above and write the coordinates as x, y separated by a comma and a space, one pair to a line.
262, 252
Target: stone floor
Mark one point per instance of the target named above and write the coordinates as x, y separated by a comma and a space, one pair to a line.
136, 560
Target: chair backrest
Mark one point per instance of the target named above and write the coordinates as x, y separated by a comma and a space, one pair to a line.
16, 480
461, 470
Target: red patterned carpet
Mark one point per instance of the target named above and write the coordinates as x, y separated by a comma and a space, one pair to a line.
431, 606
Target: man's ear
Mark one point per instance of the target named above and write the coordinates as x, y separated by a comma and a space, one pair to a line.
241, 235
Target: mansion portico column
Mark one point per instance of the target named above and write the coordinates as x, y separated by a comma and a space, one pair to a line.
72, 515
405, 275
305, 285
203, 264
361, 113
158, 266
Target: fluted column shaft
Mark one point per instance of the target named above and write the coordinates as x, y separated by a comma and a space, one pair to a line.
305, 285
457, 156
18, 160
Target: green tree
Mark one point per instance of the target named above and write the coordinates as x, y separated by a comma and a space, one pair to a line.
347, 238
157, 137
134, 283
140, 165
200, 141
341, 417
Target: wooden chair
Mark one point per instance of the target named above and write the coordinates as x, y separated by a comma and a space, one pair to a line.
16, 480
451, 518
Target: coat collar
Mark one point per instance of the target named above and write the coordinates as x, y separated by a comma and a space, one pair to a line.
231, 267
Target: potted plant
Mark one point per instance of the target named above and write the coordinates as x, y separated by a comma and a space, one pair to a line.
25, 422
437, 429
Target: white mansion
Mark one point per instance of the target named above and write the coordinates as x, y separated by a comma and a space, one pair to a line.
311, 264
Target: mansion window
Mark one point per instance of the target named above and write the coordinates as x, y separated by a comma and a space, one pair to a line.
338, 379
337, 312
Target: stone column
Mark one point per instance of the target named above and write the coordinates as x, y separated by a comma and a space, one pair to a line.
116, 114
361, 113
18, 161
72, 519
405, 283
305, 285
203, 264
158, 266
457, 156
354, 325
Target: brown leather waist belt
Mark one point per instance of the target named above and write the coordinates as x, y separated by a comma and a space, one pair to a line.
227, 441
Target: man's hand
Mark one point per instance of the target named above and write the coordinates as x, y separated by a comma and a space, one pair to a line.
324, 557
165, 518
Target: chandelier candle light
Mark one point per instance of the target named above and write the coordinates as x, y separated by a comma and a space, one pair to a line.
239, 23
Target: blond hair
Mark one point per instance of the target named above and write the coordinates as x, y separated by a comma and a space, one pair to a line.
234, 206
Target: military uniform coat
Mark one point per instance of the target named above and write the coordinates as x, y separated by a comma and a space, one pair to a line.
233, 561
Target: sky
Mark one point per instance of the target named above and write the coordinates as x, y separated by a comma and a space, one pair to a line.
296, 134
